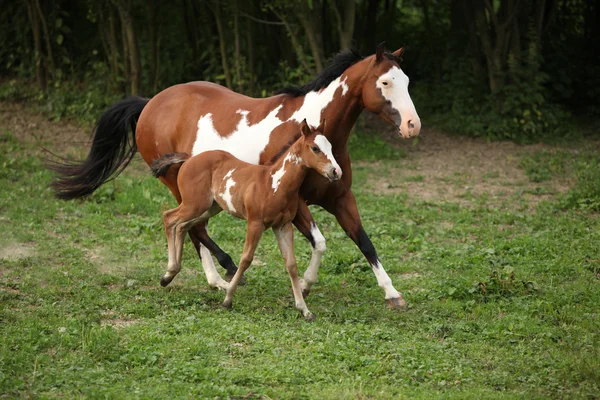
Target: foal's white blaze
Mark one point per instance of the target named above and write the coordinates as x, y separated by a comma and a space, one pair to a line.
246, 142
277, 175
227, 192
325, 147
394, 88
315, 102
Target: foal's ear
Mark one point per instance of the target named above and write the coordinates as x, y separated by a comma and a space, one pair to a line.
399, 53
379, 52
322, 126
304, 128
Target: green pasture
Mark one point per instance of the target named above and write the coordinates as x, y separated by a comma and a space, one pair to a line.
504, 299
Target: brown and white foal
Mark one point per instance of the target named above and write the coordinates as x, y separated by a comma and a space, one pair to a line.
265, 196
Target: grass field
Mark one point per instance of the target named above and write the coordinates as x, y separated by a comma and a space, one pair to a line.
503, 292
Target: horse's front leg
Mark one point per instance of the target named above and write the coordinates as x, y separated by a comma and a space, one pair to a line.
253, 234
285, 239
308, 227
345, 210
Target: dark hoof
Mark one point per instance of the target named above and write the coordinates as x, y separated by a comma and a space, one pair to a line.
227, 304
165, 281
310, 317
305, 292
396, 303
229, 277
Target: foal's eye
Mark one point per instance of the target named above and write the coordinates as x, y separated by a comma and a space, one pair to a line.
316, 149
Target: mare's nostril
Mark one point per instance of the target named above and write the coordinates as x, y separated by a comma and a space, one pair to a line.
335, 173
410, 124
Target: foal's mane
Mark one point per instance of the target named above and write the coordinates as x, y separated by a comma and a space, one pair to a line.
285, 148
341, 62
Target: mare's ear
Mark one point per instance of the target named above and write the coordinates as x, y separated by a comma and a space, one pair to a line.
322, 126
399, 53
379, 52
304, 128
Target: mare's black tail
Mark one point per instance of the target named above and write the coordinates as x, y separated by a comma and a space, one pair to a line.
113, 147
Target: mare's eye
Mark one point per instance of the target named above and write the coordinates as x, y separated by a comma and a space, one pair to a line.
316, 149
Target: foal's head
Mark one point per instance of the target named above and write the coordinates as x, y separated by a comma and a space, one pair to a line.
385, 92
316, 152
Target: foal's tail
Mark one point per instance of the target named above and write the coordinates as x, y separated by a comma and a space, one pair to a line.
161, 165
113, 147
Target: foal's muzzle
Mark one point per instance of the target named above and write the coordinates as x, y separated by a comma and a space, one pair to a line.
334, 174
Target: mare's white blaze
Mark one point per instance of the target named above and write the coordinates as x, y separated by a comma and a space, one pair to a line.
226, 195
384, 281
277, 175
325, 147
315, 102
246, 142
396, 92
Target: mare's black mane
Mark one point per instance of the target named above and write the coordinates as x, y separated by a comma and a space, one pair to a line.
341, 62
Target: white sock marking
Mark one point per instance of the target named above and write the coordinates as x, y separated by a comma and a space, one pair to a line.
384, 281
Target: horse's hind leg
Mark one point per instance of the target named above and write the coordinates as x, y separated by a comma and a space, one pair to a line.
200, 237
174, 266
212, 276
285, 239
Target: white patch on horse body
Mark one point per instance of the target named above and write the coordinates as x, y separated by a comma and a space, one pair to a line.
277, 175
325, 147
246, 142
396, 92
226, 195
384, 281
315, 102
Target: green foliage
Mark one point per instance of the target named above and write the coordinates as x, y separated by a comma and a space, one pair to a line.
586, 193
491, 311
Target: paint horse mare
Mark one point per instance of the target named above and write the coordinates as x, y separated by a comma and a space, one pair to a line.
200, 116
265, 196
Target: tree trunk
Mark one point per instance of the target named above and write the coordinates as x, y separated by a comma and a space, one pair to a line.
153, 37
295, 42
47, 39
238, 55
251, 57
344, 21
224, 63
40, 64
124, 8
312, 22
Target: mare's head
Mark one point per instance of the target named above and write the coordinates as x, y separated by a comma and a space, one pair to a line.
316, 152
385, 92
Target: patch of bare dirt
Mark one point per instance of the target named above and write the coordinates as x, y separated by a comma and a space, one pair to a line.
54, 139
439, 167
15, 251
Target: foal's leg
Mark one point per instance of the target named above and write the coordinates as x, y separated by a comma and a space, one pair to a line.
253, 234
223, 258
212, 276
198, 235
175, 230
285, 239
346, 212
308, 227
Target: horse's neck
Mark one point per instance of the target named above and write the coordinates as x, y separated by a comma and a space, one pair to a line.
288, 173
